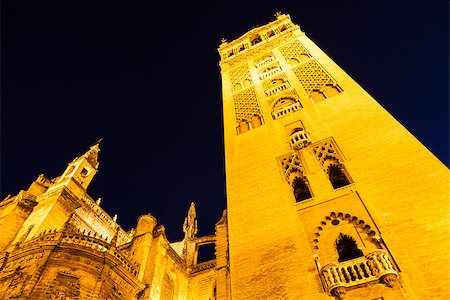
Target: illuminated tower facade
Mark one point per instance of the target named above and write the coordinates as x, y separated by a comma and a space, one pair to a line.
327, 194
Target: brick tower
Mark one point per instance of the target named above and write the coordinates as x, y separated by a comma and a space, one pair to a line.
328, 195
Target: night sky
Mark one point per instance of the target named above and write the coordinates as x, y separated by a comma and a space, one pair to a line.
145, 77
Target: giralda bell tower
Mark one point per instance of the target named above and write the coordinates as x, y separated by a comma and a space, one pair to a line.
328, 195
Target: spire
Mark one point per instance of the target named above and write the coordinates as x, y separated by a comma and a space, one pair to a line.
190, 227
92, 154
82, 170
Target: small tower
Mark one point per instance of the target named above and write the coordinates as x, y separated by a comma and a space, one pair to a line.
80, 172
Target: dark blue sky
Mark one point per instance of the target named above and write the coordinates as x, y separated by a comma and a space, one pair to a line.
145, 77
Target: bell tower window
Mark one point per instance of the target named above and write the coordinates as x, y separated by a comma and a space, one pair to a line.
84, 172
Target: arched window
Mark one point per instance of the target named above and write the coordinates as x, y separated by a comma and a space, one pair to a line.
271, 33
237, 86
337, 176
331, 90
347, 248
167, 288
256, 121
243, 126
255, 40
301, 189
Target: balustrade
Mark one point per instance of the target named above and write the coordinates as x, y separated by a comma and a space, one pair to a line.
285, 110
376, 265
270, 73
265, 62
299, 140
277, 89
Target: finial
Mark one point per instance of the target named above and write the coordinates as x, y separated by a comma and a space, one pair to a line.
98, 201
278, 14
115, 218
223, 40
190, 226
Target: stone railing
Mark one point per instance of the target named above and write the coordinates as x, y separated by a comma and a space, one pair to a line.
270, 73
377, 265
299, 140
265, 62
285, 110
276, 89
85, 241
204, 266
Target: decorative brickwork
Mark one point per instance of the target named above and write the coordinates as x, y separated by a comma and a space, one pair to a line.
312, 76
294, 50
326, 151
247, 111
240, 77
316, 81
291, 165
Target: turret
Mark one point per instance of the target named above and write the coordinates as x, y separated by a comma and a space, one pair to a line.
80, 172
142, 244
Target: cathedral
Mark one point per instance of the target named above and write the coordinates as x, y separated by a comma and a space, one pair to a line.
328, 197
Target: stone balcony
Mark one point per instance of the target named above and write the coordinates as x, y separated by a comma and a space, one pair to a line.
277, 88
270, 73
375, 266
286, 110
299, 140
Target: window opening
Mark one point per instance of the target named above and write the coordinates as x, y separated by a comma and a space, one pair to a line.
347, 248
84, 172
301, 190
206, 252
337, 176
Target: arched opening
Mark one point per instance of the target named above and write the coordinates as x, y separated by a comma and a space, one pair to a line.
243, 126
167, 288
255, 40
331, 91
271, 33
347, 248
256, 121
337, 176
283, 102
304, 57
247, 83
214, 292
293, 61
275, 82
237, 86
317, 96
301, 189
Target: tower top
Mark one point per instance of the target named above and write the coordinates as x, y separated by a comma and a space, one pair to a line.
256, 37
92, 154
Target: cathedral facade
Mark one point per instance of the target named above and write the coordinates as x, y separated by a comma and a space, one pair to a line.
328, 196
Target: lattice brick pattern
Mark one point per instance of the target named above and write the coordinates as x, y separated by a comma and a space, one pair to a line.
240, 74
312, 76
294, 49
291, 165
326, 151
246, 105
